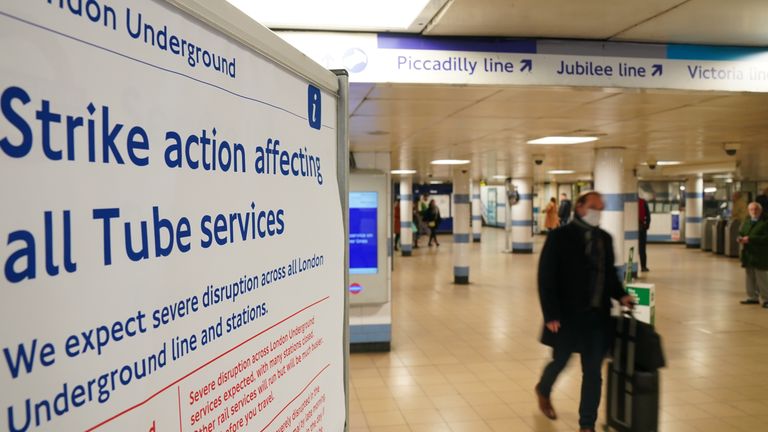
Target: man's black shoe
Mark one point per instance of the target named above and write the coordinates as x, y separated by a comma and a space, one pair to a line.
750, 301
645, 269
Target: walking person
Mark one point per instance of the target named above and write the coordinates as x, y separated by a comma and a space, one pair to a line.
551, 220
754, 254
396, 225
416, 226
577, 280
564, 212
762, 199
643, 224
433, 221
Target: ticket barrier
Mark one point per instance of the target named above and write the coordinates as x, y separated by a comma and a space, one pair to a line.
718, 236
731, 234
706, 234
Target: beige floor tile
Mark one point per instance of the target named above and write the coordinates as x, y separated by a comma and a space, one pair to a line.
467, 358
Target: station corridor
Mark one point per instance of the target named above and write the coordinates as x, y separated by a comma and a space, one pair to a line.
466, 358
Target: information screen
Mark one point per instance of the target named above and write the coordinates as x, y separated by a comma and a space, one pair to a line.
363, 242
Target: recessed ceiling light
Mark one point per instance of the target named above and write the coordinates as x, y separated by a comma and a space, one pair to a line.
561, 171
500, 177
682, 188
403, 171
357, 15
710, 190
563, 140
664, 163
450, 162
435, 182
722, 176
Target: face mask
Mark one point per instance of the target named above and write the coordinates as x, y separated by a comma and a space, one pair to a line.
592, 217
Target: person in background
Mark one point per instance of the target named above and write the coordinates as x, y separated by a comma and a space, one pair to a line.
564, 212
577, 280
433, 221
643, 224
415, 225
550, 220
423, 207
396, 225
754, 255
739, 211
762, 199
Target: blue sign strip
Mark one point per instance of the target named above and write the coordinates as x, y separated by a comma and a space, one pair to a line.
522, 223
491, 45
693, 219
717, 53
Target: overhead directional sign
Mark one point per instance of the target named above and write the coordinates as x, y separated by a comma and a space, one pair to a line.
387, 58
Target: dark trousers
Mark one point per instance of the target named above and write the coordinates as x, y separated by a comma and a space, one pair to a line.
433, 235
592, 353
642, 240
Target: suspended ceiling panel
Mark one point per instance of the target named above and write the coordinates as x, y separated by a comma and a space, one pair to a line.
740, 22
582, 19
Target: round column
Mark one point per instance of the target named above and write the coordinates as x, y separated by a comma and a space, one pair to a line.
609, 180
477, 219
522, 217
461, 224
694, 210
406, 215
631, 222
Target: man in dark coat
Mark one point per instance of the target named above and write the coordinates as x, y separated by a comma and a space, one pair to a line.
643, 225
753, 236
577, 280
564, 211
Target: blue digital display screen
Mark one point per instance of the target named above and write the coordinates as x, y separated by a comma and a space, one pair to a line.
363, 242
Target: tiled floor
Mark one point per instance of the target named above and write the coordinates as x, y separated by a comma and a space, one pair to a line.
466, 358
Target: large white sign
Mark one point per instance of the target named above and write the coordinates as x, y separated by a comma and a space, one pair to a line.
172, 240
386, 58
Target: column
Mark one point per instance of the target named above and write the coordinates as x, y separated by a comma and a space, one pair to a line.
406, 215
694, 210
477, 219
609, 178
631, 223
522, 217
461, 216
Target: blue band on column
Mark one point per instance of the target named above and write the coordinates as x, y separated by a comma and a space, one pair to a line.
477, 218
631, 235
693, 219
614, 202
461, 238
693, 240
461, 198
406, 224
460, 271
475, 196
406, 197
526, 197
501, 204
694, 195
406, 247
476, 236
630, 197
360, 333
522, 223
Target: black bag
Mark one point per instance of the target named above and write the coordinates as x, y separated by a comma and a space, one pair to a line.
633, 401
648, 353
633, 377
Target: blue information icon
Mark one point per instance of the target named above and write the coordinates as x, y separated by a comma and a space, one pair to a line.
314, 108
